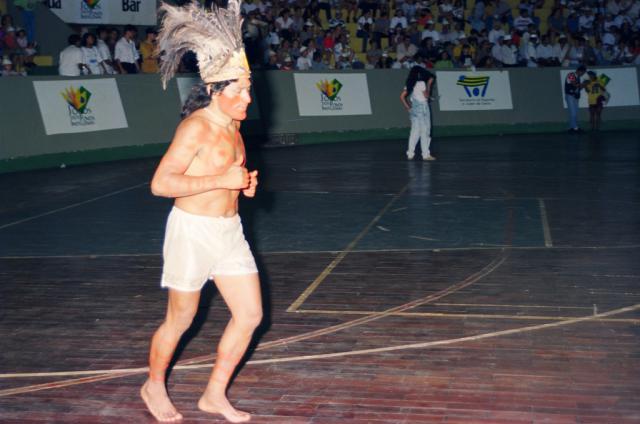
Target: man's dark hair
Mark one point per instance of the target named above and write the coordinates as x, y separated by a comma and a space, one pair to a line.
73, 39
199, 97
130, 28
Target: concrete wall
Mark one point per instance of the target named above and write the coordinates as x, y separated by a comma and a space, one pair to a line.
153, 114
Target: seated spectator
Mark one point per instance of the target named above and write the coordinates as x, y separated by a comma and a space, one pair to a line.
457, 14
446, 35
385, 62
272, 62
70, 60
304, 62
483, 52
284, 22
576, 52
287, 64
428, 50
431, 32
465, 59
528, 50
409, 9
405, 48
573, 23
8, 69
444, 61
399, 20
317, 63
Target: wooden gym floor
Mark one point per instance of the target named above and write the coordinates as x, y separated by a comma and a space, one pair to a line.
499, 284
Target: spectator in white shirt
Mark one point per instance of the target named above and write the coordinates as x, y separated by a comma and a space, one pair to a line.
91, 58
105, 53
561, 51
405, 48
430, 32
544, 53
399, 19
521, 23
304, 62
70, 59
529, 50
496, 50
496, 32
586, 21
248, 6
126, 54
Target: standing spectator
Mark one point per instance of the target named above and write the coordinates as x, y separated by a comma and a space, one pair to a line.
105, 52
91, 59
522, 22
381, 27
572, 87
399, 20
418, 90
27, 9
496, 32
365, 24
126, 55
509, 52
544, 53
597, 96
561, 51
148, 52
284, 22
70, 61
529, 50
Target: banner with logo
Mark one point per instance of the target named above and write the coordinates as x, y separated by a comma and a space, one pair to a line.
113, 12
462, 90
76, 106
332, 94
621, 83
184, 89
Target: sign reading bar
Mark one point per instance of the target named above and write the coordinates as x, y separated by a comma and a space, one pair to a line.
77, 106
459, 90
118, 12
332, 94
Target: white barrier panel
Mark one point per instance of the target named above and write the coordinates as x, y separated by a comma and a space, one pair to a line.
621, 83
120, 12
77, 106
460, 90
332, 94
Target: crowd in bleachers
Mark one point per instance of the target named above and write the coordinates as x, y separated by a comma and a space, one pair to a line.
350, 34
369, 34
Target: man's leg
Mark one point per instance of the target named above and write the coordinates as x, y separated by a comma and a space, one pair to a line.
414, 136
425, 135
181, 309
242, 296
572, 105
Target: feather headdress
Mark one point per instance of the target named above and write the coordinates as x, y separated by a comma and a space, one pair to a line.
214, 35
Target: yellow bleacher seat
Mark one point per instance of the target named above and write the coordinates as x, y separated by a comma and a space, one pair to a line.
43, 60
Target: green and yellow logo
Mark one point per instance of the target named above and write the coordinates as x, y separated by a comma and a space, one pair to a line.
91, 3
604, 79
77, 98
329, 89
474, 86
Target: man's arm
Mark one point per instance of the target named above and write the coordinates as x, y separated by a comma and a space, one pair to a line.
169, 179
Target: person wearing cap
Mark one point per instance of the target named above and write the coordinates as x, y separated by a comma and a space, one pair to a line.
365, 25
510, 54
496, 32
561, 51
572, 87
431, 32
304, 62
529, 50
204, 170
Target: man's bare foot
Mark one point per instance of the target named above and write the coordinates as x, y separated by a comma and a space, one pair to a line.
220, 405
157, 400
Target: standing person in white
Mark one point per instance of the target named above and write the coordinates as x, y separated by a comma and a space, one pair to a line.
91, 58
126, 55
70, 61
418, 90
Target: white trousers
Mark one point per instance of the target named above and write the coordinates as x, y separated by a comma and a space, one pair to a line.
420, 129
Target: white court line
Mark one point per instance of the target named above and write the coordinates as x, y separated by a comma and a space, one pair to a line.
336, 252
548, 242
31, 218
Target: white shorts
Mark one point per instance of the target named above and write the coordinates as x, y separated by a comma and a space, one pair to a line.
198, 247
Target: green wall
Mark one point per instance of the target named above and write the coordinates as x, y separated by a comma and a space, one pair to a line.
153, 115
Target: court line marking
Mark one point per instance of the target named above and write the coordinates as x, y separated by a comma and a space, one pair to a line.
452, 315
84, 202
108, 374
422, 345
334, 252
325, 273
548, 242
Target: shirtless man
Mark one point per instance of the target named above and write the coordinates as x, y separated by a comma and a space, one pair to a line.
204, 171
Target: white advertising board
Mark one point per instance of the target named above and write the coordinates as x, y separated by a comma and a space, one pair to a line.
462, 90
332, 94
